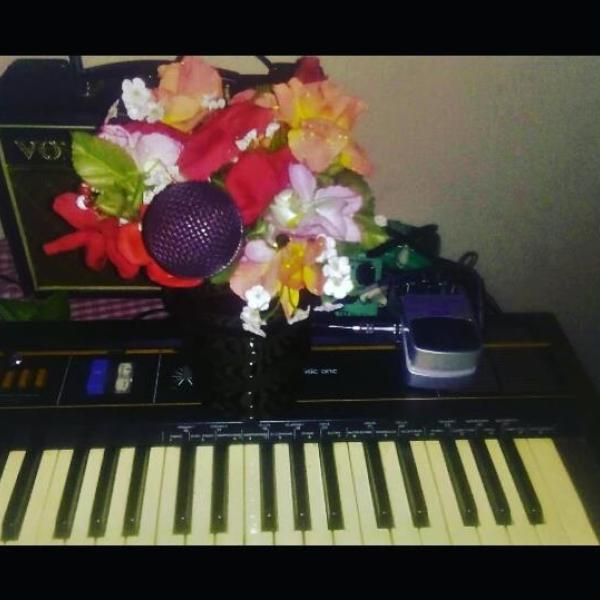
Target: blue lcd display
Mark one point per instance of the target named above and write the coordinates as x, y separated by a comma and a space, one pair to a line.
96, 383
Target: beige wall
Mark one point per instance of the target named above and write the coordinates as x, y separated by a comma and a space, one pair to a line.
504, 154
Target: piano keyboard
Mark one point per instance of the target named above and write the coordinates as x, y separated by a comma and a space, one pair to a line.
422, 492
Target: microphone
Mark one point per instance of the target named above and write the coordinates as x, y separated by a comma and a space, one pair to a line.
193, 229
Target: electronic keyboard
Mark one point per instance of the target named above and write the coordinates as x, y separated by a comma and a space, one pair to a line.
108, 437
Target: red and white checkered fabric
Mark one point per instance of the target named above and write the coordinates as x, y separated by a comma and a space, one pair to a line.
83, 309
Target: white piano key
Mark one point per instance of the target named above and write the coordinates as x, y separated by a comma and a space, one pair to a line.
460, 534
45, 531
404, 532
253, 534
200, 534
551, 532
116, 515
521, 532
350, 535
151, 500
234, 534
371, 534
437, 532
489, 531
567, 501
8, 480
168, 498
319, 534
37, 499
286, 534
81, 522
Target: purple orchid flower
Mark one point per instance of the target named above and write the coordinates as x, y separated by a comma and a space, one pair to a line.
305, 211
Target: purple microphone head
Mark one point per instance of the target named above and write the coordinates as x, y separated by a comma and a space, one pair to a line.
192, 229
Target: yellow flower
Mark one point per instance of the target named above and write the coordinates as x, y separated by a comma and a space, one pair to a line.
284, 272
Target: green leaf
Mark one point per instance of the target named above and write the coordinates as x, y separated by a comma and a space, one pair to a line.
349, 249
358, 183
334, 168
223, 276
372, 234
112, 202
258, 230
279, 139
325, 180
218, 179
103, 164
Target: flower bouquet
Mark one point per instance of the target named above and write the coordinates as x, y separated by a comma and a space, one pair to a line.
260, 197
263, 193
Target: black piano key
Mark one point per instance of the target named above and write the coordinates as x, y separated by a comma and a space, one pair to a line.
19, 498
530, 501
299, 487
104, 489
491, 482
185, 490
4, 452
135, 494
267, 488
333, 501
218, 516
412, 484
379, 491
460, 483
70, 495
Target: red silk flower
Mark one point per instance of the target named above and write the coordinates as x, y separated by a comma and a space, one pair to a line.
309, 70
96, 234
131, 245
256, 178
214, 144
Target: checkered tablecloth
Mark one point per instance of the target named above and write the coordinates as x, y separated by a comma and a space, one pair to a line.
83, 309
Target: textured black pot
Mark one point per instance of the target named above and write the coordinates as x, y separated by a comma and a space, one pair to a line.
239, 374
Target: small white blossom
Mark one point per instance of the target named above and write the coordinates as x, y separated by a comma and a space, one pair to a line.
329, 251
271, 129
212, 102
252, 322
245, 142
139, 101
299, 315
380, 220
80, 202
157, 179
338, 287
156, 173
258, 298
337, 267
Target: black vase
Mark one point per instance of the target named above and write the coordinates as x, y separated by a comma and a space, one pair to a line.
240, 374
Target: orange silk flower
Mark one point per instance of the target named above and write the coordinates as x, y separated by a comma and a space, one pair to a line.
321, 118
186, 88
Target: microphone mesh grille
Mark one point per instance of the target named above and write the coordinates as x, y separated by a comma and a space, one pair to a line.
192, 229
